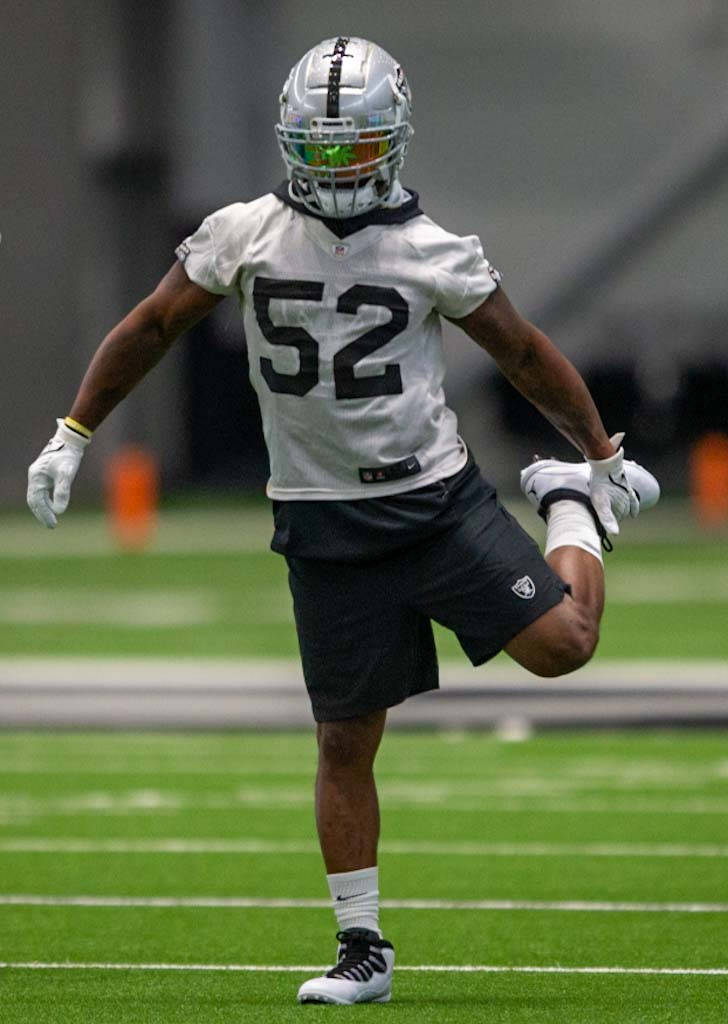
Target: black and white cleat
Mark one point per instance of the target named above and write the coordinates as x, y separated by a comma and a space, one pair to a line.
547, 475
547, 481
363, 973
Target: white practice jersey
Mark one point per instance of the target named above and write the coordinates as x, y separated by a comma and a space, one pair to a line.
344, 341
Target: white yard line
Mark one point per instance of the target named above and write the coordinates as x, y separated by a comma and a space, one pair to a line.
247, 903
158, 770
19, 811
406, 847
136, 609
260, 673
443, 797
306, 968
473, 849
584, 775
633, 584
191, 531
514, 805
666, 584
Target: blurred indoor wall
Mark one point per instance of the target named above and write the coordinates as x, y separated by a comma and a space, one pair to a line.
537, 124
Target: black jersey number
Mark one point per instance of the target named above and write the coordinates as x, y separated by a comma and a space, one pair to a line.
389, 382
265, 289
346, 383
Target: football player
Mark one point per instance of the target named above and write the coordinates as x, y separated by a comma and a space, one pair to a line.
379, 508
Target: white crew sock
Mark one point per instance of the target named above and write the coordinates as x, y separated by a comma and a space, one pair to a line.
356, 898
571, 523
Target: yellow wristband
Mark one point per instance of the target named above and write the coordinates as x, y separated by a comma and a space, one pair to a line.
78, 427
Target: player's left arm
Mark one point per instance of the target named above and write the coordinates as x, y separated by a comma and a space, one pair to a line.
544, 376
541, 373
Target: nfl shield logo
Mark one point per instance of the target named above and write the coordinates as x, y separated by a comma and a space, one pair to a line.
524, 588
340, 251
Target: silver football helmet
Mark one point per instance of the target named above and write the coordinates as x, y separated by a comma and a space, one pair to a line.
344, 127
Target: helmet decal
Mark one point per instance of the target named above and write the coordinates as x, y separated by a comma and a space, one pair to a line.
332, 97
330, 156
400, 83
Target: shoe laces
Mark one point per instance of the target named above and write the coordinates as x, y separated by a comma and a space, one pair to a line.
359, 958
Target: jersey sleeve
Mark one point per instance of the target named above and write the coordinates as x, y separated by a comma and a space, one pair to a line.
214, 255
463, 276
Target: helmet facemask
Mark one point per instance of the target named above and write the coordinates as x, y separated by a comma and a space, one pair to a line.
340, 170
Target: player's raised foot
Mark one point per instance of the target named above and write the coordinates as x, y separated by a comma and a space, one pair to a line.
547, 480
363, 973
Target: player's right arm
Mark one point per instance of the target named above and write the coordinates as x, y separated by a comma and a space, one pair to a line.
137, 344
124, 357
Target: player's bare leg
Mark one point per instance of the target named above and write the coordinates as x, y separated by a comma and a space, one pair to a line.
585, 574
347, 816
565, 637
347, 808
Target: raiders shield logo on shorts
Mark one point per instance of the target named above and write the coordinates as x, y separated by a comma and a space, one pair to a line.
524, 588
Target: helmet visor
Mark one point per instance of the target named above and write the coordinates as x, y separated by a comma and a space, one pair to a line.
339, 155
347, 159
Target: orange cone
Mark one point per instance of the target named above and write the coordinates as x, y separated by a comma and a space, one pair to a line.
709, 478
132, 493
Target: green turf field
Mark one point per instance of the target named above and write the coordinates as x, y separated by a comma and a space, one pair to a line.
151, 878
581, 857
210, 586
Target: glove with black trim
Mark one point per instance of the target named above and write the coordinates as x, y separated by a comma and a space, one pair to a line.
610, 491
51, 475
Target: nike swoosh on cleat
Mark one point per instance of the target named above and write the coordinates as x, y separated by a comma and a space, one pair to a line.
343, 899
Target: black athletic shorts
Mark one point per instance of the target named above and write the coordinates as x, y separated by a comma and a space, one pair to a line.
364, 615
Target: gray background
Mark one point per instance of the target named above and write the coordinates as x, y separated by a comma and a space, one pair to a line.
547, 127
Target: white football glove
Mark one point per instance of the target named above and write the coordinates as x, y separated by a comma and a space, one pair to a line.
610, 491
51, 475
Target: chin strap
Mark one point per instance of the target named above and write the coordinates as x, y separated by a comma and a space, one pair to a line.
397, 196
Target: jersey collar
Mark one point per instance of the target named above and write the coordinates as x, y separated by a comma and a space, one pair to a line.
343, 226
